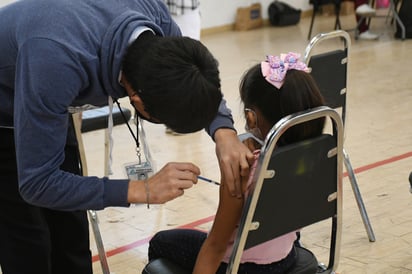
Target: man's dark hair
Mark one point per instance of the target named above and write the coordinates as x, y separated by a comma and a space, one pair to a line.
177, 79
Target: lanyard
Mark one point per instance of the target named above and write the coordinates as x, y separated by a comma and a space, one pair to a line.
135, 136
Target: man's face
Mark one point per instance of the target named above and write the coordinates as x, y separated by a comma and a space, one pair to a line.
138, 104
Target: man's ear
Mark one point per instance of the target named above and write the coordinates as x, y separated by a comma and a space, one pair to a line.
123, 81
136, 100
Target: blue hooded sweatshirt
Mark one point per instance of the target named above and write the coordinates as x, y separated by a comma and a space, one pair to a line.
56, 54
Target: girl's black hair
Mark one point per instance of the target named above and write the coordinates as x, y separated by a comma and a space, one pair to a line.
299, 92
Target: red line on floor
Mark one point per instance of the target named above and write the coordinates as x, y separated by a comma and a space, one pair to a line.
210, 218
381, 163
147, 239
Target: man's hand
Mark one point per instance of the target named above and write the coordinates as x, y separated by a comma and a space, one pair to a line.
234, 159
167, 184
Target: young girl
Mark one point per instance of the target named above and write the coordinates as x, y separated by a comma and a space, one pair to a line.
277, 87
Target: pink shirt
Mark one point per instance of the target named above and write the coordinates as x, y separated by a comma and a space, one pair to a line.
267, 252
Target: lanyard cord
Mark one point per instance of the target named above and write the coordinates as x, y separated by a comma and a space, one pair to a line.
135, 137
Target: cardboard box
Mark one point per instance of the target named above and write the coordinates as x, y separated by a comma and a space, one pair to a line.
346, 8
249, 17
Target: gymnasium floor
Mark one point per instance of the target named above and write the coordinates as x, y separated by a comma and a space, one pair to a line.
378, 140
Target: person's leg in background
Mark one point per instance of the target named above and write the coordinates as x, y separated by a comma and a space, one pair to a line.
363, 10
189, 23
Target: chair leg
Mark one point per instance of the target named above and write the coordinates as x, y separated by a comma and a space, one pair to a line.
361, 20
99, 242
77, 122
337, 24
337, 21
392, 7
358, 197
311, 24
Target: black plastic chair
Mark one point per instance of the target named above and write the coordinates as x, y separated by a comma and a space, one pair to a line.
329, 69
317, 4
299, 184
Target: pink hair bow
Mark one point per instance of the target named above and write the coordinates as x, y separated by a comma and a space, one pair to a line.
274, 68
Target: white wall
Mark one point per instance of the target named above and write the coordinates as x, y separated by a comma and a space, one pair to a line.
217, 13
5, 2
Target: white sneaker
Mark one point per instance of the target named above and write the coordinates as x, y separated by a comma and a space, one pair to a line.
365, 10
367, 35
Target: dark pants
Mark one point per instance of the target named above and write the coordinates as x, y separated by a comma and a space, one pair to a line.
363, 25
181, 246
34, 239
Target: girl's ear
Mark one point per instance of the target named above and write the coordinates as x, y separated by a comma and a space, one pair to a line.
251, 119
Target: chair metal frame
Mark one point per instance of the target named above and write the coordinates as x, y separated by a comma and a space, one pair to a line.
94, 221
95, 121
249, 233
339, 101
327, 206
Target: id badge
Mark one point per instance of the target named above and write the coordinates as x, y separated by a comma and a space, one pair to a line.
138, 171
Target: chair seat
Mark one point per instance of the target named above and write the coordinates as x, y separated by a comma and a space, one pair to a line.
163, 266
95, 119
306, 263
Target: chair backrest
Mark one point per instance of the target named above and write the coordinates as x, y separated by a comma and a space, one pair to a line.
294, 186
329, 68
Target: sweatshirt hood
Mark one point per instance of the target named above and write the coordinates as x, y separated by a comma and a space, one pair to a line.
116, 41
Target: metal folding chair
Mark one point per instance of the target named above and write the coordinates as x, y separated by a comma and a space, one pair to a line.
94, 221
329, 69
88, 121
295, 186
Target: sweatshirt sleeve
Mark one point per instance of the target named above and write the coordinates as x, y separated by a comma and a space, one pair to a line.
48, 78
223, 119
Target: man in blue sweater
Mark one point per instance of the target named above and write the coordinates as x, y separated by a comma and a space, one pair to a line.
57, 55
